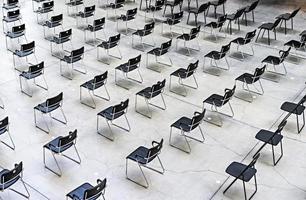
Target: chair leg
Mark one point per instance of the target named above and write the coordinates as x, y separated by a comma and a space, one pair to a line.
107, 137
12, 146
27, 195
179, 148
59, 173
143, 175
299, 129
273, 154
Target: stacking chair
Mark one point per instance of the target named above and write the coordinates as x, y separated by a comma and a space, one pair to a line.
45, 8
59, 40
25, 51
142, 33
8, 178
148, 94
112, 113
112, 42
172, 4
129, 16
268, 27
244, 173
276, 61
183, 74
250, 9
176, 18
216, 56
216, 25
60, 145
241, 41
288, 16
92, 85
160, 51
87, 191
33, 72
16, 33
251, 79
73, 4
143, 156
74, 57
218, 101
55, 21
196, 11
133, 64
98, 25
47, 107
88, 12
235, 17
186, 126
188, 37
216, 4
272, 138
295, 108
11, 17
297, 45
4, 128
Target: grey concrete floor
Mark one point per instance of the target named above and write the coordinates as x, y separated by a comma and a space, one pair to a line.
198, 175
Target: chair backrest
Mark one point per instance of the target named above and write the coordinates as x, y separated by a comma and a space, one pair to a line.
253, 5
303, 39
229, 93
224, 50
18, 29
55, 101
131, 13
11, 175
68, 140
99, 22
220, 2
258, 73
192, 67
177, 16
276, 23
134, 61
148, 28
95, 192
249, 36
57, 18
89, 9
239, 12
155, 150
158, 88
284, 54
36, 69
100, 79
197, 119
28, 47
119, 2
194, 32
203, 7
293, 14
159, 3
78, 52
221, 20
114, 39
11, 2
4, 123
65, 34
48, 5
165, 47
121, 107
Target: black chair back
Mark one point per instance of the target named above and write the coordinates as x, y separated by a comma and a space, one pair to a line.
65, 34
249, 36
18, 29
197, 119
253, 6
120, 108
155, 150
114, 39
55, 101
95, 192
276, 23
194, 32
48, 5
294, 13
11, 174
11, 2
239, 13
89, 9
68, 140
4, 124
134, 61
77, 53
203, 7
165, 47
221, 20
36, 69
192, 67
229, 93
99, 22
57, 18
130, 14
118, 2
258, 73
284, 54
148, 28
158, 88
224, 50
177, 16
100, 80
13, 14
28, 47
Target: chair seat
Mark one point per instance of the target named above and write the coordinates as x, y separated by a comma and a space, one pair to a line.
294, 43
79, 192
246, 77
74, 3
231, 17
235, 169
213, 54
9, 183
239, 41
68, 59
183, 124
214, 99
44, 10
139, 154
272, 60
29, 75
142, 33
267, 26
54, 146
107, 45
94, 28
185, 37
107, 113
11, 19
84, 15
14, 35
58, 40
91, 86
194, 10
156, 52
22, 53
116, 6
247, 9
179, 73
10, 7
126, 68
293, 108
171, 22
147, 93
212, 25
285, 16
126, 18
50, 24
265, 136
44, 109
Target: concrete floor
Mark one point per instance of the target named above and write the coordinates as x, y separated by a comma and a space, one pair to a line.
198, 175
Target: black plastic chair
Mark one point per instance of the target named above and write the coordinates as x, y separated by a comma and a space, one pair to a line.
242, 41
53, 22
59, 40
129, 16
146, 31
4, 128
217, 101
47, 107
235, 17
72, 58
45, 8
16, 33
244, 173
288, 16
92, 85
268, 27
60, 145
98, 25
89, 11
25, 51
216, 56
148, 94
112, 42
33, 72
273, 139
204, 8
186, 126
184, 74
276, 61
112, 113
11, 17
251, 9
217, 25
216, 4
172, 4
133, 64
143, 156
251, 79
175, 19
87, 191
188, 37
73, 4
160, 51
297, 109
8, 178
